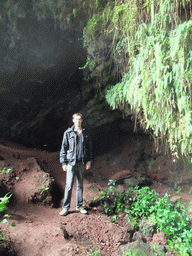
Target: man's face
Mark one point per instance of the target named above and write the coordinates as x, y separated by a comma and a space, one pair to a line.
77, 120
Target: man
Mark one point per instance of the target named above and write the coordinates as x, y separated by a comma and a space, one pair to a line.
75, 157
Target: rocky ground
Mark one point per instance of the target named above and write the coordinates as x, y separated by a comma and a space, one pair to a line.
34, 208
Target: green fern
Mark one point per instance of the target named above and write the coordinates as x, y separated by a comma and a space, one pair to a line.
158, 86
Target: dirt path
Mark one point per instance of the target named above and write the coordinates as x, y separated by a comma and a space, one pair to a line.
39, 229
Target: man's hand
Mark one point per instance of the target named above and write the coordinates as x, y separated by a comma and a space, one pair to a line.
64, 167
88, 165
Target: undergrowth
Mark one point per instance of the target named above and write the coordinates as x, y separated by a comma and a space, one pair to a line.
168, 216
3, 206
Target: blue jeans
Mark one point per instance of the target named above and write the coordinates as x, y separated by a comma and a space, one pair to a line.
77, 170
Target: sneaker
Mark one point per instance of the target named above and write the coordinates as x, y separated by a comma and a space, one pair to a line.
81, 209
63, 212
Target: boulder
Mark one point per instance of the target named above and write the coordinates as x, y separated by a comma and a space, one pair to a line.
137, 248
27, 182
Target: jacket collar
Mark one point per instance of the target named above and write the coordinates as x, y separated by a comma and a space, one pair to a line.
72, 129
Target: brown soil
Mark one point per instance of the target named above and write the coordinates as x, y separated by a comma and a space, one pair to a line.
41, 231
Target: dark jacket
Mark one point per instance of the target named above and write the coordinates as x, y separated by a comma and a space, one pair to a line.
68, 147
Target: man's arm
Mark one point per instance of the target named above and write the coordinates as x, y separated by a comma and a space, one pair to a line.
88, 165
63, 152
64, 167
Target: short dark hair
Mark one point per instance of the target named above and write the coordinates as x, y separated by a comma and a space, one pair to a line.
77, 114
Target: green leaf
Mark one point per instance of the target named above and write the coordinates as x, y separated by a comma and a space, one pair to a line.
13, 224
4, 221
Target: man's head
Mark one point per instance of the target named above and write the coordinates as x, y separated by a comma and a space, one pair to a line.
77, 119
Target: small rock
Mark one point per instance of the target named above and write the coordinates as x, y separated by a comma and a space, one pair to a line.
190, 213
137, 236
120, 189
160, 238
138, 248
146, 227
176, 198
132, 182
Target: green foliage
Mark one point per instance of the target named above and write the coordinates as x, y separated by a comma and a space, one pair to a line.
170, 217
6, 170
95, 252
158, 84
4, 201
114, 201
43, 182
145, 200
3, 206
130, 253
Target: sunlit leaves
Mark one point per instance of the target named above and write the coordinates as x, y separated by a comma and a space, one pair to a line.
158, 85
163, 213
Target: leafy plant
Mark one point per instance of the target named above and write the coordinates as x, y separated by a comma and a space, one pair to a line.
6, 170
3, 206
144, 203
42, 181
157, 85
170, 217
95, 252
114, 201
4, 201
114, 218
130, 253
44, 188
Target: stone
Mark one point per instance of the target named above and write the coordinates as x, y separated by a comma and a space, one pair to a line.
141, 237
137, 236
138, 248
132, 182
120, 189
146, 227
160, 250
190, 213
119, 177
176, 198
160, 238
